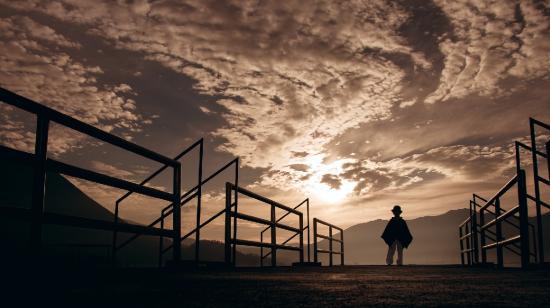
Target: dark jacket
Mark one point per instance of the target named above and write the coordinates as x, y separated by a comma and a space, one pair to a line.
397, 229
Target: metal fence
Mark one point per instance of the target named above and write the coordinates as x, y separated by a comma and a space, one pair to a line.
41, 164
330, 238
474, 232
231, 242
264, 256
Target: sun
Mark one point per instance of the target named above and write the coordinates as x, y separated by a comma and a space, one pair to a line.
331, 195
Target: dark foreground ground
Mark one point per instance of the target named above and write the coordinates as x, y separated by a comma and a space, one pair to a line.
290, 287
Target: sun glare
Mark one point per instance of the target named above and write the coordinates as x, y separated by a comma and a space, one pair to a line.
331, 195
314, 186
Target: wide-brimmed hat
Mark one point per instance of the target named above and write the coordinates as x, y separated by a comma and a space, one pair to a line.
397, 209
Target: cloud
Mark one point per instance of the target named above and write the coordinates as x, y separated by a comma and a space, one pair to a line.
457, 163
38, 68
111, 170
491, 41
331, 180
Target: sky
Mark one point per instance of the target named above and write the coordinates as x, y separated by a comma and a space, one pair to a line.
358, 105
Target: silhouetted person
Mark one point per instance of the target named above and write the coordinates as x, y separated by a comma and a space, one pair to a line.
396, 235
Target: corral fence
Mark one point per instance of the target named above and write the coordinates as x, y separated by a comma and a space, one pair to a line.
478, 234
41, 163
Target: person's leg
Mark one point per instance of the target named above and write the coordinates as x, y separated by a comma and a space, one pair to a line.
399, 253
391, 251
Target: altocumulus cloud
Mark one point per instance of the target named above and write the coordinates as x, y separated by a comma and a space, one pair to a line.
290, 76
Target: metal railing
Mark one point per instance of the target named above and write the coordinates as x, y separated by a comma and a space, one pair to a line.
500, 216
188, 197
474, 232
232, 242
537, 179
262, 256
330, 238
114, 247
42, 164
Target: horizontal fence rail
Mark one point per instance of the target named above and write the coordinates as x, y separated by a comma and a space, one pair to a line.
475, 231
42, 164
263, 256
330, 238
273, 223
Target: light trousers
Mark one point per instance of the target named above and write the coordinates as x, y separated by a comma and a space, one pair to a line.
391, 252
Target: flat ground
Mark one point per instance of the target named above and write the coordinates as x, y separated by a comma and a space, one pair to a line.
292, 287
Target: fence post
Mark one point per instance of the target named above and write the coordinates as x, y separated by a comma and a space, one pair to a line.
342, 247
468, 252
315, 259
500, 260
330, 245
482, 236
524, 222
199, 197
161, 239
475, 242
227, 242
301, 217
39, 182
115, 235
309, 231
261, 249
461, 245
234, 251
537, 189
273, 237
176, 212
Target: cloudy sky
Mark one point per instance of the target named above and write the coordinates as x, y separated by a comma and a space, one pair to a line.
358, 105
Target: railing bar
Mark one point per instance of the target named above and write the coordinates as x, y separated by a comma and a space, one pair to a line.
264, 199
523, 145
500, 218
500, 192
260, 244
80, 222
93, 176
503, 243
56, 116
539, 123
540, 201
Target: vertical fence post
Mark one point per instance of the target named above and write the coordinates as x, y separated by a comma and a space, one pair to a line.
461, 245
161, 239
261, 249
39, 182
309, 231
315, 259
176, 212
524, 222
475, 242
234, 251
482, 236
301, 217
227, 242
273, 237
500, 259
330, 245
342, 247
115, 235
468, 252
537, 189
199, 197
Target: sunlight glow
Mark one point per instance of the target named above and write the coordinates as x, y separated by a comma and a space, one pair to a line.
314, 185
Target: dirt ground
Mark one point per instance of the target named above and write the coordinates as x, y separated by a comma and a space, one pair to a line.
297, 287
